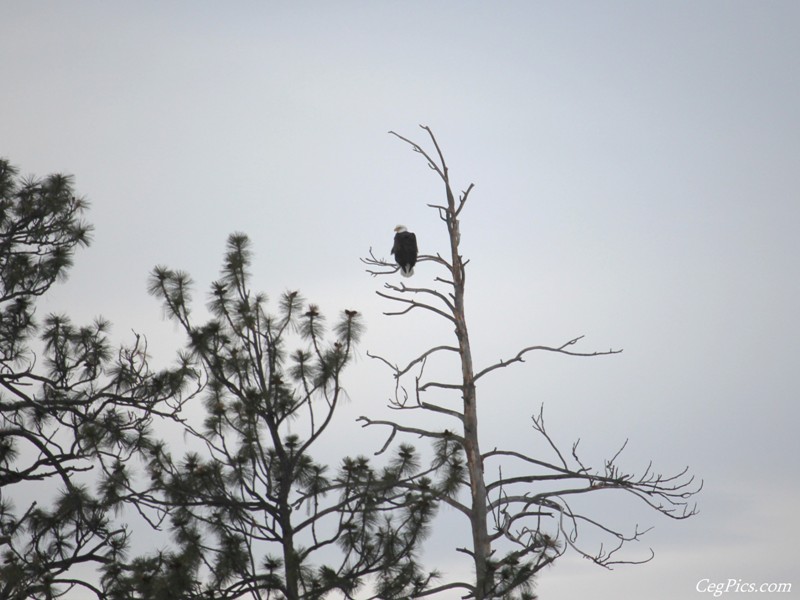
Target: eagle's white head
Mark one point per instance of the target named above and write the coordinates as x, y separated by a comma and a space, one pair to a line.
400, 229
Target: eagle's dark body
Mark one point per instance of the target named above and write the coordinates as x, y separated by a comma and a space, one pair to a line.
405, 250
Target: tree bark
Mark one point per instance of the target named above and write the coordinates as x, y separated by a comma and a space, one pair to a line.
481, 546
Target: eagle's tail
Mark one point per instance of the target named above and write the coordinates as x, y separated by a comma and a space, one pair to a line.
407, 271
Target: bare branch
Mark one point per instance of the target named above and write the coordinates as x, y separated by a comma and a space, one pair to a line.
374, 261
412, 304
448, 586
538, 425
421, 358
431, 163
422, 433
560, 349
463, 199
441, 385
438, 151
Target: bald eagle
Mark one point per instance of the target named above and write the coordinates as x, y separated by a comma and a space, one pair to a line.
405, 250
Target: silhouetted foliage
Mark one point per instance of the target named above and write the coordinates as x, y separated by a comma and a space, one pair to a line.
69, 402
249, 508
252, 512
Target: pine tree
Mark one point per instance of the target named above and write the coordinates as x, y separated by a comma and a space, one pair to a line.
70, 404
253, 512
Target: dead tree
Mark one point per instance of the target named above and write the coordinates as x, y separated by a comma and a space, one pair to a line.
519, 524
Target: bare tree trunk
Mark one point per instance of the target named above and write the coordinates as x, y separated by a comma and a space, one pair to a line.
481, 546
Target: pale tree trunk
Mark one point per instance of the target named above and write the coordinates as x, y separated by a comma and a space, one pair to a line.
481, 546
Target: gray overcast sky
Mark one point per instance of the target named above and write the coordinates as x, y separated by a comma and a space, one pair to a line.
637, 171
